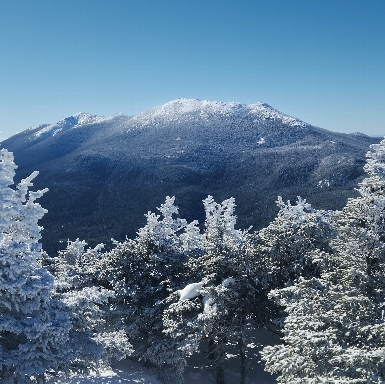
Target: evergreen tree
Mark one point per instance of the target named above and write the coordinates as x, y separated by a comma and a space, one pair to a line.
363, 219
215, 310
143, 272
334, 331
237, 270
285, 245
33, 329
284, 251
96, 337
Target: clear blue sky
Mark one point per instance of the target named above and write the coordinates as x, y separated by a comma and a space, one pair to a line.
320, 61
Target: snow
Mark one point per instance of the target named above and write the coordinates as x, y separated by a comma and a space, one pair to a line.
176, 109
323, 183
209, 305
126, 371
130, 372
228, 281
267, 112
75, 121
193, 109
190, 291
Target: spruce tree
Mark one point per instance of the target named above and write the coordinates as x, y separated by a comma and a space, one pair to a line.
33, 328
334, 331
285, 245
143, 272
214, 310
364, 219
97, 337
331, 333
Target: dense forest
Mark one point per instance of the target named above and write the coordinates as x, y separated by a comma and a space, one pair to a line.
314, 277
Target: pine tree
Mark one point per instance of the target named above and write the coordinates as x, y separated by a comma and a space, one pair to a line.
33, 328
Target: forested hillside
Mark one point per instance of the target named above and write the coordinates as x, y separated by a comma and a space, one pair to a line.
314, 277
105, 173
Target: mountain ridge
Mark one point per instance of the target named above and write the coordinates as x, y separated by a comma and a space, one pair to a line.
105, 173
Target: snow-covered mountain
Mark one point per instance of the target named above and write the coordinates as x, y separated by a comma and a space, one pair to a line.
45, 131
104, 173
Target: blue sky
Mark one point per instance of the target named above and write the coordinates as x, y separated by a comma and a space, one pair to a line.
320, 61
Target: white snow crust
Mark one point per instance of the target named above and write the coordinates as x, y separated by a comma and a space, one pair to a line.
130, 372
190, 291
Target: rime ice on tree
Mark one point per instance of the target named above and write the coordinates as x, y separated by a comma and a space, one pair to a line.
33, 333
334, 331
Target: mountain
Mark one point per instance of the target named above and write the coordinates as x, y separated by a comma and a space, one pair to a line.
105, 173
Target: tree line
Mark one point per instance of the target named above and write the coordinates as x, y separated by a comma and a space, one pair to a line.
314, 277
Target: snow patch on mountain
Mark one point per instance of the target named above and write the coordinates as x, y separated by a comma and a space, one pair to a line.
78, 120
261, 141
190, 110
266, 112
187, 111
191, 107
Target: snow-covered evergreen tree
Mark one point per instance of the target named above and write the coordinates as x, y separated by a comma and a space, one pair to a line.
364, 219
96, 336
143, 272
33, 329
332, 332
286, 243
228, 293
215, 307
335, 329
284, 251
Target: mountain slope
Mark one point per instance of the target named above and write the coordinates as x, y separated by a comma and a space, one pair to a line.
105, 173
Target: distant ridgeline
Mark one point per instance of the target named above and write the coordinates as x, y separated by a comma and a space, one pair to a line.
103, 174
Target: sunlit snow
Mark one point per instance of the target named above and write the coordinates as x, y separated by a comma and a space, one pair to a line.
74, 121
190, 291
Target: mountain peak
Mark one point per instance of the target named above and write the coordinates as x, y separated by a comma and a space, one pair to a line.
188, 110
191, 105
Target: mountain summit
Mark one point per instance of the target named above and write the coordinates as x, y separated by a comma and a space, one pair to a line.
193, 109
105, 173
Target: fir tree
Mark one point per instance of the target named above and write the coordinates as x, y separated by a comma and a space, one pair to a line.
286, 243
96, 337
143, 272
33, 329
216, 312
335, 329
364, 219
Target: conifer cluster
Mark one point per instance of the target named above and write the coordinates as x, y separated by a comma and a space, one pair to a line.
314, 277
